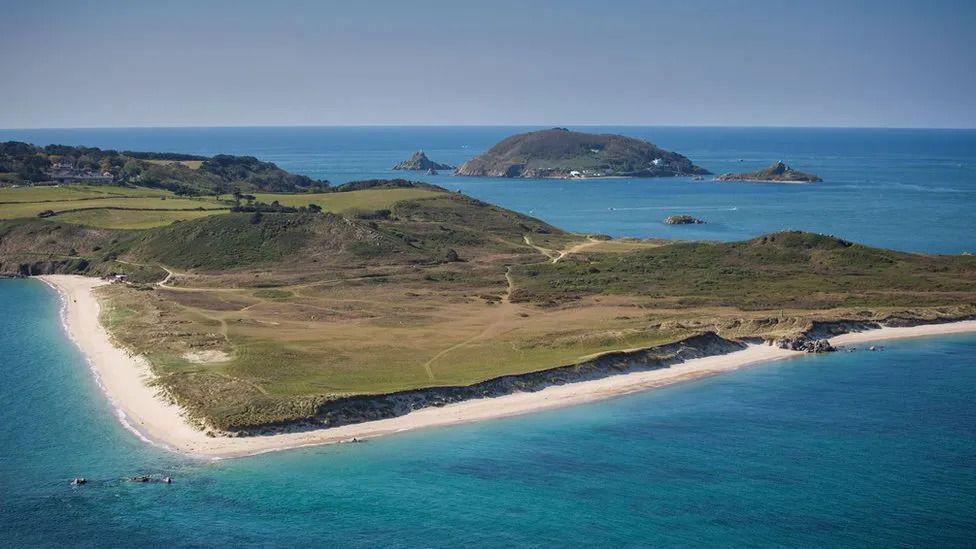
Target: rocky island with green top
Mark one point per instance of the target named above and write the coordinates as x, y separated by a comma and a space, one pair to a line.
420, 162
777, 171
559, 153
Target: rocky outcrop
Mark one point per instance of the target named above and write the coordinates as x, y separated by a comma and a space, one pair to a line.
805, 344
562, 154
815, 339
777, 171
350, 410
682, 220
53, 266
420, 162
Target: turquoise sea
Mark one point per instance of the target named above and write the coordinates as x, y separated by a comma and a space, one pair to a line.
848, 449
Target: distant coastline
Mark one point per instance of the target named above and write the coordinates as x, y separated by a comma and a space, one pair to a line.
127, 382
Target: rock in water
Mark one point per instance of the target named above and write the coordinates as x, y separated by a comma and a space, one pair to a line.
420, 162
562, 154
682, 220
777, 171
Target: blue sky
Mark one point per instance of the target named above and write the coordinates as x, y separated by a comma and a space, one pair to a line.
752, 63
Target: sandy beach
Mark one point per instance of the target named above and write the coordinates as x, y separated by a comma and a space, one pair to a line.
126, 381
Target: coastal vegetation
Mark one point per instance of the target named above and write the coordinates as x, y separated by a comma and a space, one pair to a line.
182, 174
271, 310
118, 207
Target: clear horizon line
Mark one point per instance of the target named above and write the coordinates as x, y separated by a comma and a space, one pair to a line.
526, 125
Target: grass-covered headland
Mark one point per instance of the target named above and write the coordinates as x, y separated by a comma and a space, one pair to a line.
260, 309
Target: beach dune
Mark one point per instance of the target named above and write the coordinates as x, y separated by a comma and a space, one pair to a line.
127, 383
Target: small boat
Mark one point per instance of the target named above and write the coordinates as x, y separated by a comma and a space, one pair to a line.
140, 478
78, 481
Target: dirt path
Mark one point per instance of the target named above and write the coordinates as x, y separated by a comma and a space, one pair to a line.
169, 276
590, 242
505, 311
555, 256
550, 253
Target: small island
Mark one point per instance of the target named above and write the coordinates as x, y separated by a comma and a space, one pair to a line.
558, 153
682, 220
777, 171
420, 163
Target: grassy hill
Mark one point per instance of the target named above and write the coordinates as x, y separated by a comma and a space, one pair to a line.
780, 270
267, 318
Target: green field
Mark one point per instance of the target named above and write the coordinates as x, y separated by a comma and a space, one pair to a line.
31, 209
192, 164
367, 200
74, 192
129, 207
131, 219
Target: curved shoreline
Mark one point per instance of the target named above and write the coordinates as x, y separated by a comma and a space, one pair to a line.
126, 382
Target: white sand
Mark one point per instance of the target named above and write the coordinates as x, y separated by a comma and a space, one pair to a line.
125, 378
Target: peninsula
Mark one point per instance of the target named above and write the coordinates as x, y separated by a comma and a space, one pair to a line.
269, 320
181, 174
562, 154
776, 171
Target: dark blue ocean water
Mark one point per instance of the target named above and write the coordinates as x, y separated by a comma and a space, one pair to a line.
861, 449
